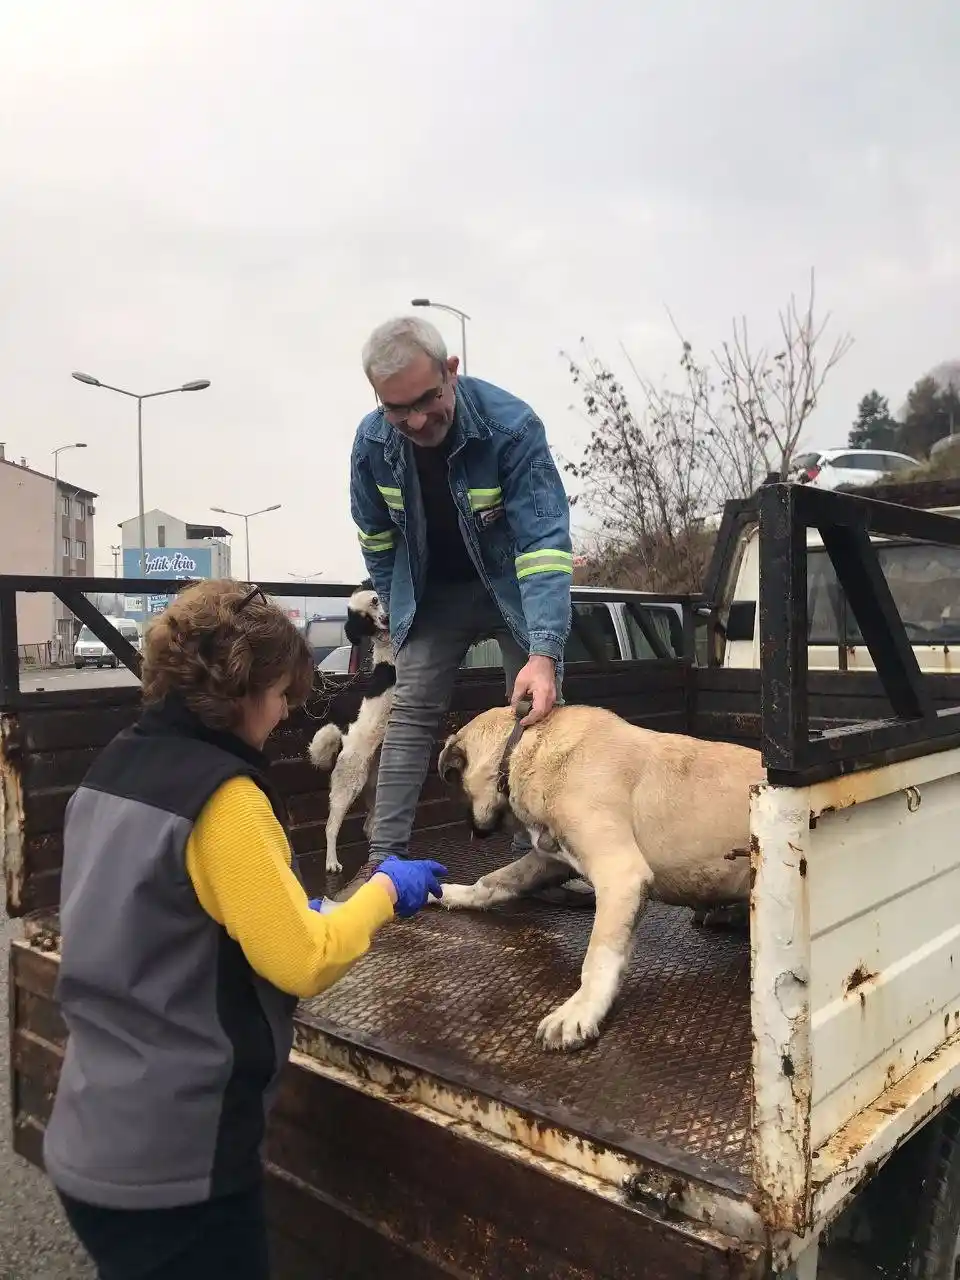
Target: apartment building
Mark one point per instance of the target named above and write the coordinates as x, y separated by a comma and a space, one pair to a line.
43, 532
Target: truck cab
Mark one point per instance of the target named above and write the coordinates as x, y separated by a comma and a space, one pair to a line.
923, 576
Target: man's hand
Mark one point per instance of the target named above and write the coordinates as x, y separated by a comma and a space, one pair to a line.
538, 682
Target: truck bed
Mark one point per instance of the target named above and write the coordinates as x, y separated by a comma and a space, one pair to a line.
460, 994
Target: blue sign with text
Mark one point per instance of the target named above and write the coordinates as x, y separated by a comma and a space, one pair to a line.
163, 562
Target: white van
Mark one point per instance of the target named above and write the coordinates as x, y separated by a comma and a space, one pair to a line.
91, 652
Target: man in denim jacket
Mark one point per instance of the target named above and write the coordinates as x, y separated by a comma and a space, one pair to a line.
464, 526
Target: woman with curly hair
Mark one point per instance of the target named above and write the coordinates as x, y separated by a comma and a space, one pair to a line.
187, 939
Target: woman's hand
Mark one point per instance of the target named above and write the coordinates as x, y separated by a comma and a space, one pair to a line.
410, 882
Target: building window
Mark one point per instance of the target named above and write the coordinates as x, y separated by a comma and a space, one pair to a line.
161, 535
65, 505
80, 509
81, 550
66, 548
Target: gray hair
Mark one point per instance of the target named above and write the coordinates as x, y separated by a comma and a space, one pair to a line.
395, 343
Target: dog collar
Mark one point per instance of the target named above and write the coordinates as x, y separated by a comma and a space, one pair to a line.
516, 733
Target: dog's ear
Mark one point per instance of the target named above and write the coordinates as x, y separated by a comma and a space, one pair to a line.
366, 585
452, 761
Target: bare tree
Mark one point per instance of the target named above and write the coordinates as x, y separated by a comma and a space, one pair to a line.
649, 476
646, 477
770, 399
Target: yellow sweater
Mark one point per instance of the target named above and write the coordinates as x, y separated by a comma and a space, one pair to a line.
238, 859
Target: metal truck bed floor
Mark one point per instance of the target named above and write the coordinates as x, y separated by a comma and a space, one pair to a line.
459, 994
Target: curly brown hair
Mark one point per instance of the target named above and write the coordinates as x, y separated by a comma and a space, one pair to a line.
219, 641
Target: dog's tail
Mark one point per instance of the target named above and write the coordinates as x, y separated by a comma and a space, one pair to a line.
326, 746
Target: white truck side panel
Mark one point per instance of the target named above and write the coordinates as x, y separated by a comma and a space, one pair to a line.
855, 945
884, 886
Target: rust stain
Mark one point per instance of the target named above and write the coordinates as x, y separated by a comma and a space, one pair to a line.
899, 1095
11, 810
860, 975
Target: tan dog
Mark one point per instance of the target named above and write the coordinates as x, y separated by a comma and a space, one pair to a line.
641, 815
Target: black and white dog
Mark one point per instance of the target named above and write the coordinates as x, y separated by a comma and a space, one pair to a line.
352, 747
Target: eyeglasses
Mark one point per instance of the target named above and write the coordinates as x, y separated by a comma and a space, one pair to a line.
257, 591
424, 403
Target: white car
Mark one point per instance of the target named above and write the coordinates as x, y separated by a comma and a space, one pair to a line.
830, 468
91, 652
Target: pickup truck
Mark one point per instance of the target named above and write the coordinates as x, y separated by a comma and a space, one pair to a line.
755, 1095
607, 626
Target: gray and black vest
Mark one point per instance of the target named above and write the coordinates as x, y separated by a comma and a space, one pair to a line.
175, 1044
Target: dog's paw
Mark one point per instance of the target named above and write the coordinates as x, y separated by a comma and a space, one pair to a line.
333, 863
571, 1025
457, 897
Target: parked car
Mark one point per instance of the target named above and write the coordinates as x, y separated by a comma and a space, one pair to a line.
608, 626
324, 635
830, 468
337, 661
91, 652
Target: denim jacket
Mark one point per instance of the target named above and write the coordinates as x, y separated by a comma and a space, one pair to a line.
514, 515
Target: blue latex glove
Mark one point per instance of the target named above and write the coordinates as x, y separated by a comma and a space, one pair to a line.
323, 905
414, 881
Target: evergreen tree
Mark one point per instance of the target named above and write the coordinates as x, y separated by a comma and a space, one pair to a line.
932, 412
873, 428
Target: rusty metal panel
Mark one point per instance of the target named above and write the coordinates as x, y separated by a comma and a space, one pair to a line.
11, 811
429, 1201
884, 885
856, 976
780, 1005
460, 995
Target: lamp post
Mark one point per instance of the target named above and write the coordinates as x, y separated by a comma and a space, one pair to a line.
306, 577
55, 639
246, 517
199, 384
454, 311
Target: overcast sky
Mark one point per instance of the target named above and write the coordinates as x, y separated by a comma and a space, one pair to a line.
240, 189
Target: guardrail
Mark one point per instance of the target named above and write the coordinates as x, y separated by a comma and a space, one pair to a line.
73, 593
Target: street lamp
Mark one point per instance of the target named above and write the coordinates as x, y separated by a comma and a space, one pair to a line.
454, 311
200, 384
246, 517
56, 532
306, 577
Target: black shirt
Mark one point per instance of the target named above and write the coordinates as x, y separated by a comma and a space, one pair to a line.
448, 559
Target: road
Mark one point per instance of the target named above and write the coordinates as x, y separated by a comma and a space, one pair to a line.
71, 678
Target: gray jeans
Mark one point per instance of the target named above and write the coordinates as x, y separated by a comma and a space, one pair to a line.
450, 618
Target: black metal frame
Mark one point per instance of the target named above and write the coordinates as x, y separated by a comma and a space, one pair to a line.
844, 521
73, 591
